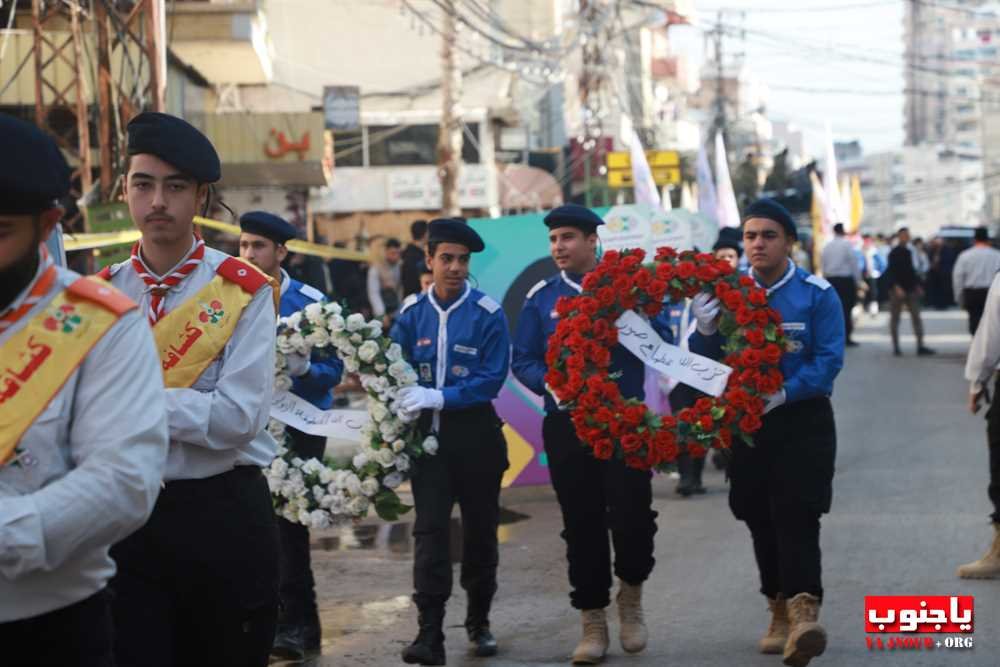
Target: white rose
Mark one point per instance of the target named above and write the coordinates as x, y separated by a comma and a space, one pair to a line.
332, 308
294, 321
374, 329
394, 353
409, 378
297, 342
318, 338
368, 351
378, 412
398, 446
276, 428
347, 350
314, 313
358, 506
392, 480
352, 484
319, 519
302, 517
385, 457
355, 322
282, 383
289, 513
402, 463
336, 323
370, 487
359, 461
351, 365
337, 503
430, 445
325, 476
356, 338
389, 429
318, 492
398, 369
279, 467
284, 346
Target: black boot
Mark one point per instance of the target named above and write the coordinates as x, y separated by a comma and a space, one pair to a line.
312, 635
697, 466
428, 647
685, 487
477, 625
288, 643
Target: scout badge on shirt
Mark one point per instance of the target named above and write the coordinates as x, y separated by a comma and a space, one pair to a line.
425, 372
792, 331
460, 371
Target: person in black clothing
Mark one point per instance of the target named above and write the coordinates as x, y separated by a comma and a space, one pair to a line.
414, 258
904, 289
348, 280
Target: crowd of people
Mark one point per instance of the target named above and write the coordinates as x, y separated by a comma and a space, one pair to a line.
142, 398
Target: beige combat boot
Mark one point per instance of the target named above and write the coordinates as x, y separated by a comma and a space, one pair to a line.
987, 567
594, 645
774, 641
633, 627
807, 638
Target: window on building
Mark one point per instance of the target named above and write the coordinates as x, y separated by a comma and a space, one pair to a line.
393, 146
348, 148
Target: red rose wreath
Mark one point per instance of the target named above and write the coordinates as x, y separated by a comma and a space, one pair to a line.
579, 355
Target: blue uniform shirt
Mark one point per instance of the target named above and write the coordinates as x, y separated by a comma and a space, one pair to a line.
538, 321
813, 323
325, 369
461, 348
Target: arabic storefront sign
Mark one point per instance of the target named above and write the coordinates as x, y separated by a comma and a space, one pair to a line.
295, 412
638, 337
342, 107
420, 188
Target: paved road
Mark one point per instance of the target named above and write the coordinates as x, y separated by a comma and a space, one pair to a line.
910, 505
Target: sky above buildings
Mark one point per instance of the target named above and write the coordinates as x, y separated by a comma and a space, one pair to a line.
821, 60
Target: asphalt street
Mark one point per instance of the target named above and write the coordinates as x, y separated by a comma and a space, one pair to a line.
910, 506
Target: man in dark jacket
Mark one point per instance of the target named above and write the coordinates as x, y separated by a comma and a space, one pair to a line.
414, 258
905, 289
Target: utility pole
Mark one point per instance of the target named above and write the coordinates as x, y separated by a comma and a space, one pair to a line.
589, 87
720, 86
449, 148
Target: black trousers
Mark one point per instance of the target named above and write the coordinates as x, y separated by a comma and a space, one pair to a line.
993, 440
298, 588
780, 487
974, 302
198, 584
79, 635
467, 468
597, 496
847, 290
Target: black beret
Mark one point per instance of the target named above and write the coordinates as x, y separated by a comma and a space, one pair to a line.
573, 215
772, 210
176, 142
728, 242
33, 172
267, 225
455, 230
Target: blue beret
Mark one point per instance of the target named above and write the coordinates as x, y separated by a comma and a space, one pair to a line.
729, 237
573, 215
455, 230
267, 225
772, 210
176, 142
33, 172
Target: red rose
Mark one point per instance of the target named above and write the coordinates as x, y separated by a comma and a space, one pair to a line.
774, 315
604, 449
604, 415
758, 297
750, 423
600, 329
653, 308
767, 385
589, 401
635, 462
685, 270
706, 422
631, 442
551, 356
622, 284
633, 415
555, 378
612, 338
589, 306
703, 404
611, 257
668, 422
581, 324
630, 262
590, 280
696, 451
665, 444
564, 305
605, 296
687, 415
643, 279
760, 317
755, 337
665, 253
743, 316
746, 281
630, 301
737, 398
666, 272
724, 267
772, 353
721, 289
725, 438
576, 362
733, 300
602, 357
751, 358
706, 273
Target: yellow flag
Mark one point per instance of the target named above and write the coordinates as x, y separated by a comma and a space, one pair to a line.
857, 204
817, 214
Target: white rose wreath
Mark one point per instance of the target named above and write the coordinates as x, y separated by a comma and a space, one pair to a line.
318, 493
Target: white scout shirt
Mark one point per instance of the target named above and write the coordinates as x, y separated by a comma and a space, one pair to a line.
220, 422
89, 472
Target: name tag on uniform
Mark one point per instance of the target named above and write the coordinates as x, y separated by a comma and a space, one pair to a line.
793, 326
466, 350
425, 372
423, 342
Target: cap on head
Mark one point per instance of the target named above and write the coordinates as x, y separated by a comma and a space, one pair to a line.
981, 234
176, 142
771, 210
573, 215
838, 228
267, 225
455, 230
729, 237
33, 172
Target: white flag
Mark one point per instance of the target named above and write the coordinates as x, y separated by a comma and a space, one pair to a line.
834, 210
642, 178
727, 212
707, 200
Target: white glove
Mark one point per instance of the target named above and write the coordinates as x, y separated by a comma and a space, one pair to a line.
552, 393
417, 398
705, 309
774, 400
297, 364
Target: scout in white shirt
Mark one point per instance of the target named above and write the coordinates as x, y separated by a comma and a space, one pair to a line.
199, 583
83, 433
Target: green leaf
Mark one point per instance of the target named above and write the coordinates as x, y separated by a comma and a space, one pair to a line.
718, 412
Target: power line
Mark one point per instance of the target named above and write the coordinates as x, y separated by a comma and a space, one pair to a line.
804, 10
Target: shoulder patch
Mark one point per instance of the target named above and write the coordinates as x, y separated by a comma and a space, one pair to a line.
311, 292
244, 274
101, 293
488, 304
534, 290
407, 302
818, 282
108, 271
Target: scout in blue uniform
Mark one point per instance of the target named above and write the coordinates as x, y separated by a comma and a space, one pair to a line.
594, 495
313, 379
456, 338
783, 484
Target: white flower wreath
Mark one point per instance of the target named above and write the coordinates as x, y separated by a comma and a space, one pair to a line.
319, 493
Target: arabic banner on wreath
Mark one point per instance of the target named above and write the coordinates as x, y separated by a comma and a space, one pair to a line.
638, 337
289, 409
